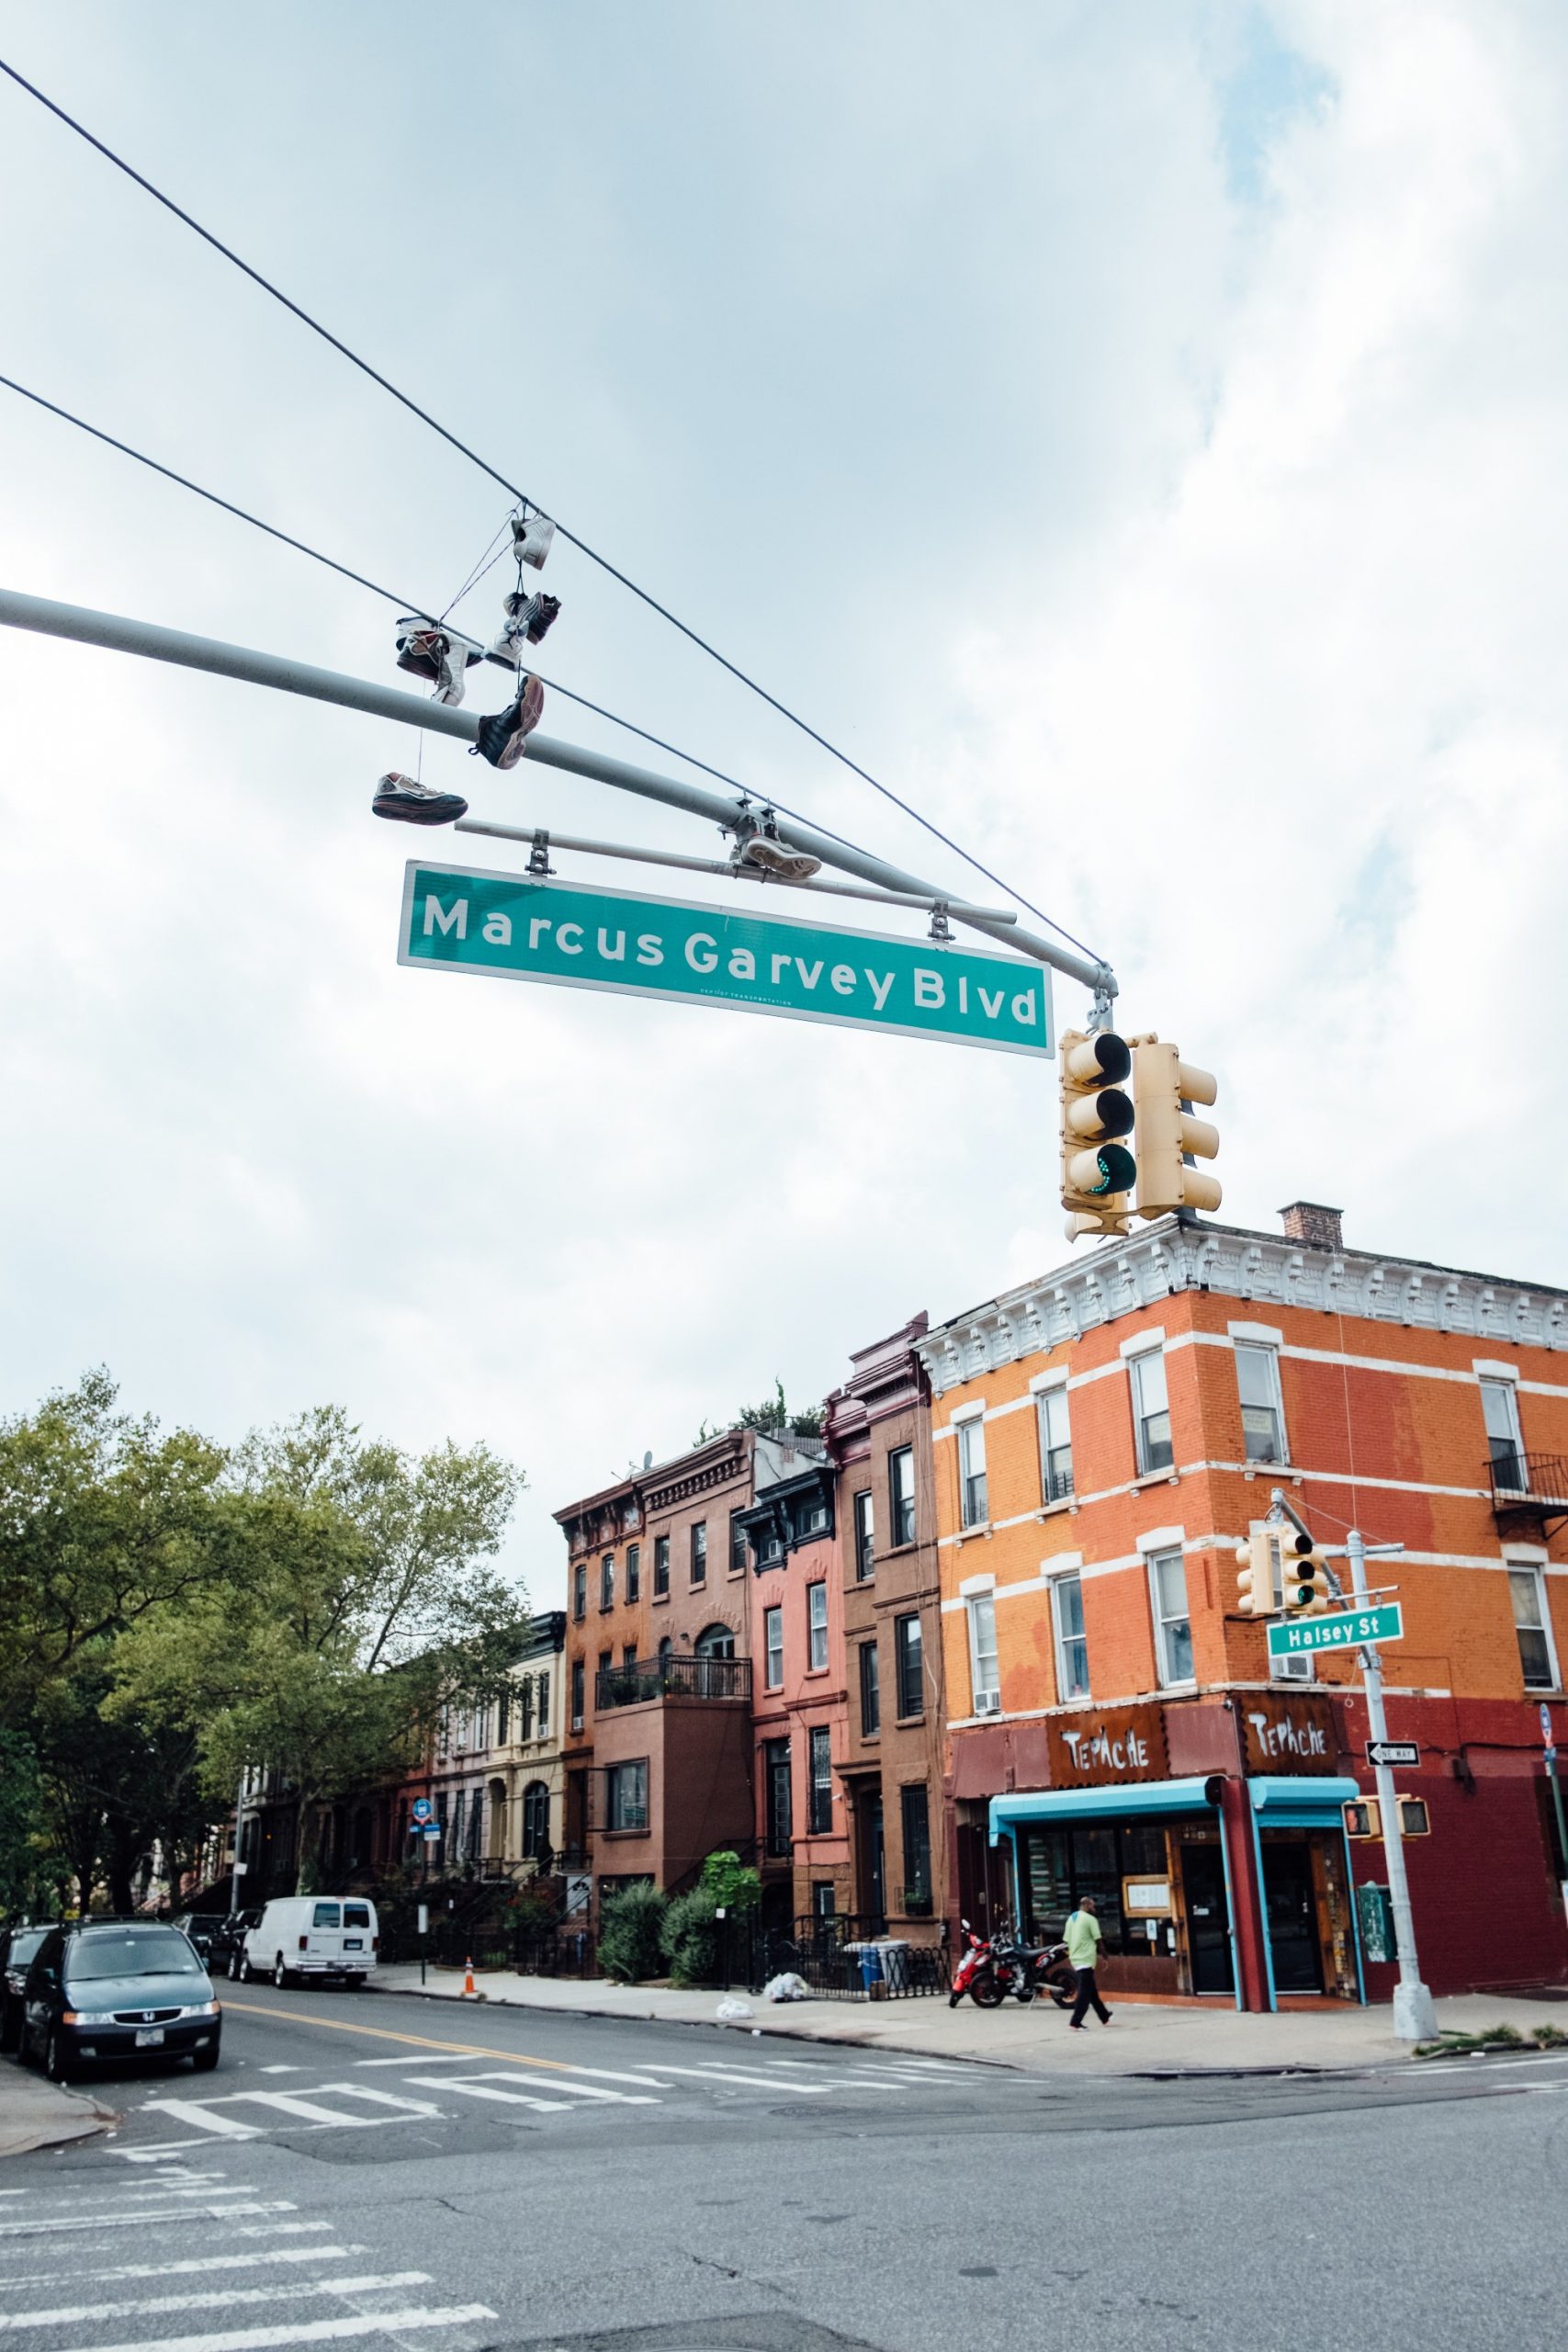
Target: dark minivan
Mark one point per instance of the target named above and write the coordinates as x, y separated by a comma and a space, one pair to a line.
118, 1988
17, 1948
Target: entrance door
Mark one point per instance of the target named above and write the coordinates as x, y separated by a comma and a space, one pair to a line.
1292, 1916
872, 1860
1208, 1929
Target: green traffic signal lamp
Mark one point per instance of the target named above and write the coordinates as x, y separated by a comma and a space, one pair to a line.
1097, 1169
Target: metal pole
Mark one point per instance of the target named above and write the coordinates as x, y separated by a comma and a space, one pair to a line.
1557, 1803
239, 1824
1415, 2016
119, 633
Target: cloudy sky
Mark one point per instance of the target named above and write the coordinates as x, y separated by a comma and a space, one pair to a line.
1133, 429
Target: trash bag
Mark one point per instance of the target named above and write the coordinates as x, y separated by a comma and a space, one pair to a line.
788, 1988
730, 2011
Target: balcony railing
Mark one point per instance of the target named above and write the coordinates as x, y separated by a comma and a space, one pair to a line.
1523, 1482
672, 1677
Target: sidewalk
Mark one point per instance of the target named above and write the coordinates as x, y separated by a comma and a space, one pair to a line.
1147, 2037
39, 2114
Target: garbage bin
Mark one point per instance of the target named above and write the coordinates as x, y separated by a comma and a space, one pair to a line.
867, 1958
895, 1956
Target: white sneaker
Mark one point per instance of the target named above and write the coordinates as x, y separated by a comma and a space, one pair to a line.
761, 850
531, 538
429, 650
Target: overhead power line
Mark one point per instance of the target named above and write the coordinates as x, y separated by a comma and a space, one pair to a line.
581, 545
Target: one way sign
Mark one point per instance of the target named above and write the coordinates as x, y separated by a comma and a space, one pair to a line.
1393, 1752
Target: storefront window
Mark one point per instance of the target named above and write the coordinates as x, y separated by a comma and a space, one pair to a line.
1061, 1866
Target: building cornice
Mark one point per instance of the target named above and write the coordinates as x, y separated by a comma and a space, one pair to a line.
1126, 1277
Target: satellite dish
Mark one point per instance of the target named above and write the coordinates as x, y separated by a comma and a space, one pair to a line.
647, 1460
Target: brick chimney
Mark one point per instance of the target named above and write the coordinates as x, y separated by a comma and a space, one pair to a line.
1309, 1221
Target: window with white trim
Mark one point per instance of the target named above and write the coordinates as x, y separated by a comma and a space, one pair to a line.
972, 1503
865, 1536
1055, 1444
1072, 1645
1151, 1411
1532, 1626
816, 1628
901, 1487
984, 1677
1172, 1618
773, 1646
1500, 1412
626, 1790
1262, 1407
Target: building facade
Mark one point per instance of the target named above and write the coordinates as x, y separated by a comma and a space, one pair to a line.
878, 1428
494, 1777
1104, 1439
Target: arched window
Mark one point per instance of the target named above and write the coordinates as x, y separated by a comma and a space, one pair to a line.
666, 1649
714, 1641
536, 1820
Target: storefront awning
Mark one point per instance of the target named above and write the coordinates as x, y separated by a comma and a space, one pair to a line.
1293, 1801
1118, 1802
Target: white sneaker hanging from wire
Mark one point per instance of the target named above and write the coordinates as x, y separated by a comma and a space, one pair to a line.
533, 535
527, 618
410, 803
761, 851
432, 650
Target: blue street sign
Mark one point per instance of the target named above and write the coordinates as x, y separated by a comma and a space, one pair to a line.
433, 1829
421, 1809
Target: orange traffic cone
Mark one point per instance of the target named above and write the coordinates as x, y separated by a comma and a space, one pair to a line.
469, 1993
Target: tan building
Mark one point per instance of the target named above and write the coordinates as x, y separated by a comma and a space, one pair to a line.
496, 1780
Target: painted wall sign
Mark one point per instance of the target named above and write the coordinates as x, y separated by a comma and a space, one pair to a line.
1287, 1734
578, 935
1108, 1744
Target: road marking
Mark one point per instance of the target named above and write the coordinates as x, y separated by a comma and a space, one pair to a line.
382, 2099
192, 2266
576, 2091
385, 2033
206, 2118
502, 2098
139, 2221
282, 2070
258, 2340
73, 2314
768, 2082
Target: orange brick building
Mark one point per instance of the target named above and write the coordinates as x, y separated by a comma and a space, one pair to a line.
1103, 1439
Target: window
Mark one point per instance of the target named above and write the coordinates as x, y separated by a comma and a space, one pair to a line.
865, 1533
984, 1679
901, 1489
739, 1550
607, 1581
482, 1725
458, 1802
972, 1510
824, 1900
626, 1795
1533, 1628
325, 1915
908, 1665
814, 1515
1262, 1413
816, 1628
525, 1708
502, 1718
661, 1568
819, 1819
580, 1590
1173, 1626
628, 1656
714, 1641
606, 1660
536, 1821
579, 1676
544, 1705
773, 1543
357, 1915
1151, 1411
917, 1843
870, 1692
1072, 1647
476, 1815
773, 1648
1500, 1409
1055, 1446
779, 1797
634, 1571
700, 1551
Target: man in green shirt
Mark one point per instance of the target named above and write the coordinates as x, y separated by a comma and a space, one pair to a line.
1083, 1940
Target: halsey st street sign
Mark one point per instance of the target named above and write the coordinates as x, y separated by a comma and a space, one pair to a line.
1339, 1629
519, 927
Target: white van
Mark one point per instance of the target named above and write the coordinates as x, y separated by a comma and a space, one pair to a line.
313, 1934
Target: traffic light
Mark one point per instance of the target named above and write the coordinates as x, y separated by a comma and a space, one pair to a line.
1363, 1818
1168, 1136
1304, 1578
1257, 1579
1098, 1172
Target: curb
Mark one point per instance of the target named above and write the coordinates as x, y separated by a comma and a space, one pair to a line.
27, 2140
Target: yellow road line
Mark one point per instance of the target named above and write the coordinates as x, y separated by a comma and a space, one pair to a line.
385, 2033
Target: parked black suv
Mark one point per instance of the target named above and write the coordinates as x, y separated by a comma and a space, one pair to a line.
17, 1946
118, 1988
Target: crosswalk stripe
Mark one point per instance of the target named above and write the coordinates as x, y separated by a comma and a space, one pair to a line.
192, 2266
768, 2082
562, 2083
189, 2110
502, 2098
140, 2221
307, 2110
260, 2339
223, 2298
380, 2098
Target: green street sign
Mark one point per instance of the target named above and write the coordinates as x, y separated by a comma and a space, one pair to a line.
1339, 1629
575, 935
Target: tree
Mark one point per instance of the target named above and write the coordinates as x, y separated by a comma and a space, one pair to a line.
775, 1418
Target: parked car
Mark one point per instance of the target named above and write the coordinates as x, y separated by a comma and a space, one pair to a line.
226, 1952
201, 1927
17, 1946
118, 1988
313, 1934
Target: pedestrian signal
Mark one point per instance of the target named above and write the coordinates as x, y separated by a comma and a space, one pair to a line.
1415, 1821
1363, 1818
1169, 1137
1098, 1171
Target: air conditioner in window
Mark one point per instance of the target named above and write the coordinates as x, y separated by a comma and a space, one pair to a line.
988, 1703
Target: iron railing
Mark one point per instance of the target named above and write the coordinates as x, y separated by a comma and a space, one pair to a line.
1519, 1479
850, 1957
679, 1677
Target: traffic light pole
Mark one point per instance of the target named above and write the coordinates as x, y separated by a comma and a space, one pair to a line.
1415, 2016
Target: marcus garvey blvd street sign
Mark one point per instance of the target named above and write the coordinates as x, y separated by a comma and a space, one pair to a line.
576, 935
1338, 1629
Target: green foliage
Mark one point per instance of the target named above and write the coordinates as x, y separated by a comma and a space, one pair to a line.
24, 1882
774, 1419
630, 1921
530, 1910
690, 1936
731, 1883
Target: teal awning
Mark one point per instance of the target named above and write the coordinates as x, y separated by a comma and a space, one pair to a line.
1126, 1799
1293, 1801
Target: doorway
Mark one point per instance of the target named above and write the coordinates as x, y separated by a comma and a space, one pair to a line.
1208, 1921
1292, 1909
872, 1864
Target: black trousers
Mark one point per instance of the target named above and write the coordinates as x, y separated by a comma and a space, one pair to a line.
1088, 1998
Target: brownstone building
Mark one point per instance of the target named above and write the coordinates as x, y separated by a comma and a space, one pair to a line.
878, 1428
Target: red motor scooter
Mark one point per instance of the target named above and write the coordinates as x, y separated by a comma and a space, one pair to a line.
976, 1973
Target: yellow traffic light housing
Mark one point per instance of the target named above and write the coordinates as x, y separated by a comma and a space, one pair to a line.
1304, 1578
1363, 1818
1257, 1579
1098, 1171
1168, 1136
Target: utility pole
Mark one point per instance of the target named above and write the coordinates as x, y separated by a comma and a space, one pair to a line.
1415, 2016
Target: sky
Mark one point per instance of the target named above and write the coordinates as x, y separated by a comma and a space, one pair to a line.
1133, 429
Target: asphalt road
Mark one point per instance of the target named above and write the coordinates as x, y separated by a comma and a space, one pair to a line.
372, 2167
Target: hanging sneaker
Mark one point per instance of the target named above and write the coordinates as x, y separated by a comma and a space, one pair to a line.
434, 652
531, 538
527, 618
501, 735
416, 804
771, 856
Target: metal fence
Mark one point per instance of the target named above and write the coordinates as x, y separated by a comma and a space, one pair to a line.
847, 1958
451, 1944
